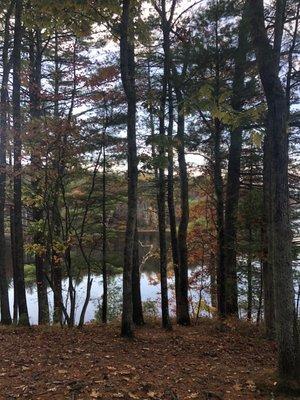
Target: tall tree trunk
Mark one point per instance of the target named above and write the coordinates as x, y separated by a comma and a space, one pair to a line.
160, 196
138, 318
161, 206
56, 267
260, 296
170, 197
4, 301
183, 306
18, 226
218, 183
268, 278
13, 249
161, 229
218, 186
279, 232
250, 245
213, 285
233, 176
71, 288
56, 272
13, 260
104, 238
35, 50
161, 182
128, 80
249, 277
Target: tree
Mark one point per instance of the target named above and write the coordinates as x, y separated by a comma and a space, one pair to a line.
35, 56
183, 303
128, 80
17, 125
161, 181
104, 234
233, 176
5, 312
276, 159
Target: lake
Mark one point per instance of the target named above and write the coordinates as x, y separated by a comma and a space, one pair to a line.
150, 286
148, 290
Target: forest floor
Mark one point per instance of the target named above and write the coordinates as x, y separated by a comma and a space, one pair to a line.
203, 362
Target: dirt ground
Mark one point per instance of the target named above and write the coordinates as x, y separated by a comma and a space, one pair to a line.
203, 362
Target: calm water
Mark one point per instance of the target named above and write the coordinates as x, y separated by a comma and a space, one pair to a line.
149, 292
150, 286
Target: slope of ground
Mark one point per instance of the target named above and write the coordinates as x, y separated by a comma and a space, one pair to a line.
204, 362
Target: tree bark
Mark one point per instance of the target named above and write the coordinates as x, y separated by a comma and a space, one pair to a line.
279, 232
249, 277
35, 50
128, 81
233, 176
267, 266
260, 296
212, 275
56, 267
170, 197
218, 186
138, 317
13, 259
4, 301
18, 225
13, 250
104, 239
160, 198
161, 183
183, 306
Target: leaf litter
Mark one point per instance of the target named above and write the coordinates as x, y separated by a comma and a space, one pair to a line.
96, 363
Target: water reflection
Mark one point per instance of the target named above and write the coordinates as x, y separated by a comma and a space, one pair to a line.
149, 292
148, 256
150, 288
